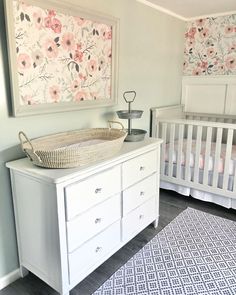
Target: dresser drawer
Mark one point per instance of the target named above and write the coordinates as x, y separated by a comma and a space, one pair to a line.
139, 193
138, 168
83, 195
93, 221
94, 250
138, 219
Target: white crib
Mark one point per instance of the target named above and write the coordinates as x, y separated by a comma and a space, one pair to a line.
198, 155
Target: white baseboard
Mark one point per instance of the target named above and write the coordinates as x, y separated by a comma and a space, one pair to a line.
9, 278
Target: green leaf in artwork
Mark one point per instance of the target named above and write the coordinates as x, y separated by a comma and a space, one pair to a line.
27, 17
77, 67
22, 16
56, 39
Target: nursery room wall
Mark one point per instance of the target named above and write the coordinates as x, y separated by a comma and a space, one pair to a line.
150, 62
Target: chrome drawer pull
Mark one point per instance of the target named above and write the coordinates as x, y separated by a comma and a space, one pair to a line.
98, 249
141, 216
98, 220
141, 168
98, 190
142, 193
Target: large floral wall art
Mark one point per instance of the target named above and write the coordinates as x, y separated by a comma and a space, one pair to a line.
210, 46
62, 59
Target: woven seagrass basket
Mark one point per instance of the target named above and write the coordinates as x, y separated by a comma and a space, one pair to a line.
73, 148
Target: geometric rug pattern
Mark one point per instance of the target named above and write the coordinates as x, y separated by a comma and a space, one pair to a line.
195, 254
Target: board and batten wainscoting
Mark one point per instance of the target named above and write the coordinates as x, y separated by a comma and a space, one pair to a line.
64, 216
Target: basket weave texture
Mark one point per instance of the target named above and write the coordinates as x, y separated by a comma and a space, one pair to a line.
73, 148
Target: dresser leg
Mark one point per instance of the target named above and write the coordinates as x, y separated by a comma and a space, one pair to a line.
23, 271
155, 223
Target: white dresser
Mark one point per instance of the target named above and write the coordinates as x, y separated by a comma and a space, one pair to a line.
69, 221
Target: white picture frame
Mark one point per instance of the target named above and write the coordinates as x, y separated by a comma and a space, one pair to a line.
98, 25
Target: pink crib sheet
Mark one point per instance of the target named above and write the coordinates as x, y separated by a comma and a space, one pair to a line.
221, 162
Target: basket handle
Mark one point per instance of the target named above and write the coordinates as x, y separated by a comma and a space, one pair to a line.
116, 122
23, 139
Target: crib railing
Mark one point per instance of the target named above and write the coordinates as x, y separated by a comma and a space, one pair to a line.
176, 133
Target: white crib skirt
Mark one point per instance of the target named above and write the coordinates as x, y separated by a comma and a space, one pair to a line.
199, 194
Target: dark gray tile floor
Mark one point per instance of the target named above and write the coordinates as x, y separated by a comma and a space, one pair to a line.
171, 204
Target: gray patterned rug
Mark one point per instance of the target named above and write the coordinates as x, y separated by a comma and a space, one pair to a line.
194, 255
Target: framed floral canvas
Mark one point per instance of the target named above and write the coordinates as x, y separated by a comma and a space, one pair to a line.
61, 57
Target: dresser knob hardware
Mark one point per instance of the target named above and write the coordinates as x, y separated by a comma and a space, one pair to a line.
98, 249
141, 216
142, 193
98, 220
141, 168
98, 190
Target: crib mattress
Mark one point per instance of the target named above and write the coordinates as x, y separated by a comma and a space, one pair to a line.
220, 164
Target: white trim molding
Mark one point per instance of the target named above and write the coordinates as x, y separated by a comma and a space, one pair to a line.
161, 9
181, 17
9, 278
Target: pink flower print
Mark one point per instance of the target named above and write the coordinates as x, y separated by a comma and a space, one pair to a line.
230, 62
37, 57
54, 92
229, 30
75, 85
204, 65
51, 49
92, 65
48, 22
108, 35
38, 20
82, 77
200, 22
80, 96
68, 42
191, 33
78, 56
211, 52
56, 25
23, 61
197, 72
51, 13
190, 42
204, 33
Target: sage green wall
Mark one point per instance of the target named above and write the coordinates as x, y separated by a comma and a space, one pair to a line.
150, 62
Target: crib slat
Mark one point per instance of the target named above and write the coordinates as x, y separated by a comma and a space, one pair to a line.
207, 155
180, 148
163, 147
171, 149
197, 154
227, 158
217, 157
188, 153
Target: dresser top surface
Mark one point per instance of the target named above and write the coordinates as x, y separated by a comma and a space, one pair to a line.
128, 151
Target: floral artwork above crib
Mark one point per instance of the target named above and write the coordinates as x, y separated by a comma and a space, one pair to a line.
210, 46
63, 60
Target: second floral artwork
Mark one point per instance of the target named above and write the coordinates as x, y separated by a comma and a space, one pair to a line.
61, 58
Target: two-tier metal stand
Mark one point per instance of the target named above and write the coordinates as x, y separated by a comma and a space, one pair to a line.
133, 134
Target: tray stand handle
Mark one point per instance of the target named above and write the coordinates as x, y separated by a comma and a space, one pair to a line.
23, 139
116, 122
129, 92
